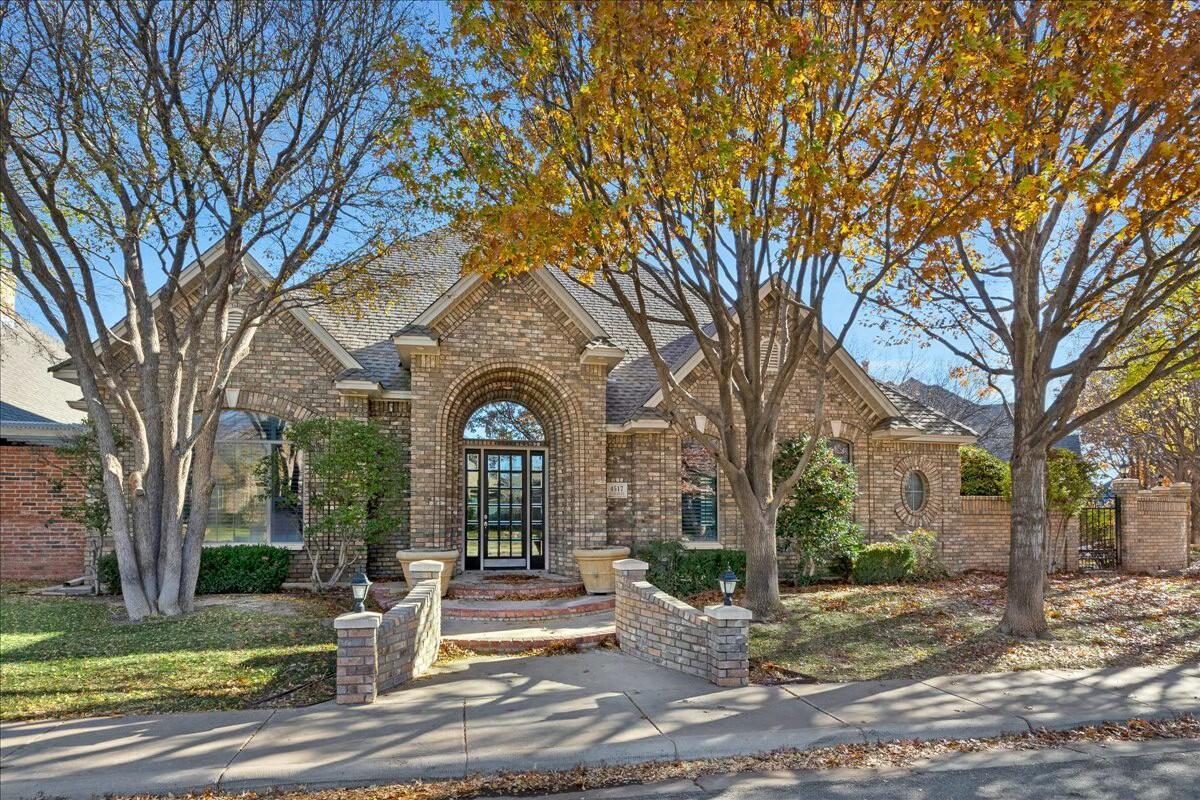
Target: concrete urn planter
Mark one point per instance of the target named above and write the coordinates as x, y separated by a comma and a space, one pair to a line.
596, 567
449, 559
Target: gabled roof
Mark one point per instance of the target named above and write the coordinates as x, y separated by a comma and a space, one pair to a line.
64, 370
33, 405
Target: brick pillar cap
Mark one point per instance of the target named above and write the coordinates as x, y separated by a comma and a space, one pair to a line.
629, 565
724, 612
1182, 488
427, 566
365, 619
1122, 485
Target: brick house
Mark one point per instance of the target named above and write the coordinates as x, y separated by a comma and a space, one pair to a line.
597, 465
36, 542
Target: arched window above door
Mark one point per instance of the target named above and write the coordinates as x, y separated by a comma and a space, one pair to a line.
506, 421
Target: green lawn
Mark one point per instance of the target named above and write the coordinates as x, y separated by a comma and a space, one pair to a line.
70, 657
848, 633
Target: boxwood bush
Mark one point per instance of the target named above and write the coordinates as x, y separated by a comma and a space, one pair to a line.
884, 562
682, 572
236, 568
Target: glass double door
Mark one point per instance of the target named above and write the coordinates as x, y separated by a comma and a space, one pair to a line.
505, 519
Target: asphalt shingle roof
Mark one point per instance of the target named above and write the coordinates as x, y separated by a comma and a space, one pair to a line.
916, 414
28, 392
430, 264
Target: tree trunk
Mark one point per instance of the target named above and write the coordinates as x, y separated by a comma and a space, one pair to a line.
762, 562
1024, 610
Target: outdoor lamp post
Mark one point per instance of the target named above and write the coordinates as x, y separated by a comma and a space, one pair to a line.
727, 582
359, 585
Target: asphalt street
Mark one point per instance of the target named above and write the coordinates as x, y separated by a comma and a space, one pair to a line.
1156, 770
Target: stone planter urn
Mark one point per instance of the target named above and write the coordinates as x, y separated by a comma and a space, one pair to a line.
448, 558
596, 567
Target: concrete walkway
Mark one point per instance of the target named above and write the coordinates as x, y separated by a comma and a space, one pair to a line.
553, 713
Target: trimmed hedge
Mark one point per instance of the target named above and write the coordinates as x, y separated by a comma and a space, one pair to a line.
682, 572
884, 562
233, 569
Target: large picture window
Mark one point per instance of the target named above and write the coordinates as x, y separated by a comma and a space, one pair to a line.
256, 499
698, 491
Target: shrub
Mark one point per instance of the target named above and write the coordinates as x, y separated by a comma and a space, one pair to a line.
358, 483
983, 473
251, 568
817, 521
928, 565
884, 562
682, 572
235, 568
108, 574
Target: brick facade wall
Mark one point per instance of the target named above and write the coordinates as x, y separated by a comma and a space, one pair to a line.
36, 543
654, 626
510, 341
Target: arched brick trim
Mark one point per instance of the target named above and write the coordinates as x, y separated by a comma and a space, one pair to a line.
556, 407
932, 510
264, 403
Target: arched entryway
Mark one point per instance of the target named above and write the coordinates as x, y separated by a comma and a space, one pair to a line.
549, 454
505, 473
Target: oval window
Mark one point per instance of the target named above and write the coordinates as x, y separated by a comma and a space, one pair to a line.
916, 490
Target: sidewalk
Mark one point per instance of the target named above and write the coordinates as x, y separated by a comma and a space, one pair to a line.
553, 713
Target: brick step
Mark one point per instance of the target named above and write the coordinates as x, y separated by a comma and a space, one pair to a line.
497, 637
542, 587
555, 608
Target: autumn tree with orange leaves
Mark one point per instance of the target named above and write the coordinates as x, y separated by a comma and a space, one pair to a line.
722, 167
1089, 114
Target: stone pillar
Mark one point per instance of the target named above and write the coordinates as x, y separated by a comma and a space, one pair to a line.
357, 657
729, 644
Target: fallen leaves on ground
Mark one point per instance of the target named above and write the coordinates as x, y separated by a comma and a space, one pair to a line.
843, 632
896, 753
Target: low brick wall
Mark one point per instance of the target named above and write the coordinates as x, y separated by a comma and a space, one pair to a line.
1154, 525
1154, 531
982, 538
652, 625
377, 652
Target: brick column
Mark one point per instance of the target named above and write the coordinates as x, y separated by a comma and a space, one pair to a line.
1071, 545
1126, 491
357, 657
629, 571
729, 644
1182, 491
430, 570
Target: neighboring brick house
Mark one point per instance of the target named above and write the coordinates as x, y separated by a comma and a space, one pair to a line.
36, 543
605, 469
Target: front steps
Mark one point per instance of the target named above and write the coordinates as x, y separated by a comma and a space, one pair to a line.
517, 612
527, 610
493, 636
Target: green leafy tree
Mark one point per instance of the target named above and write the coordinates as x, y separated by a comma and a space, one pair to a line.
1070, 486
817, 520
983, 474
357, 484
